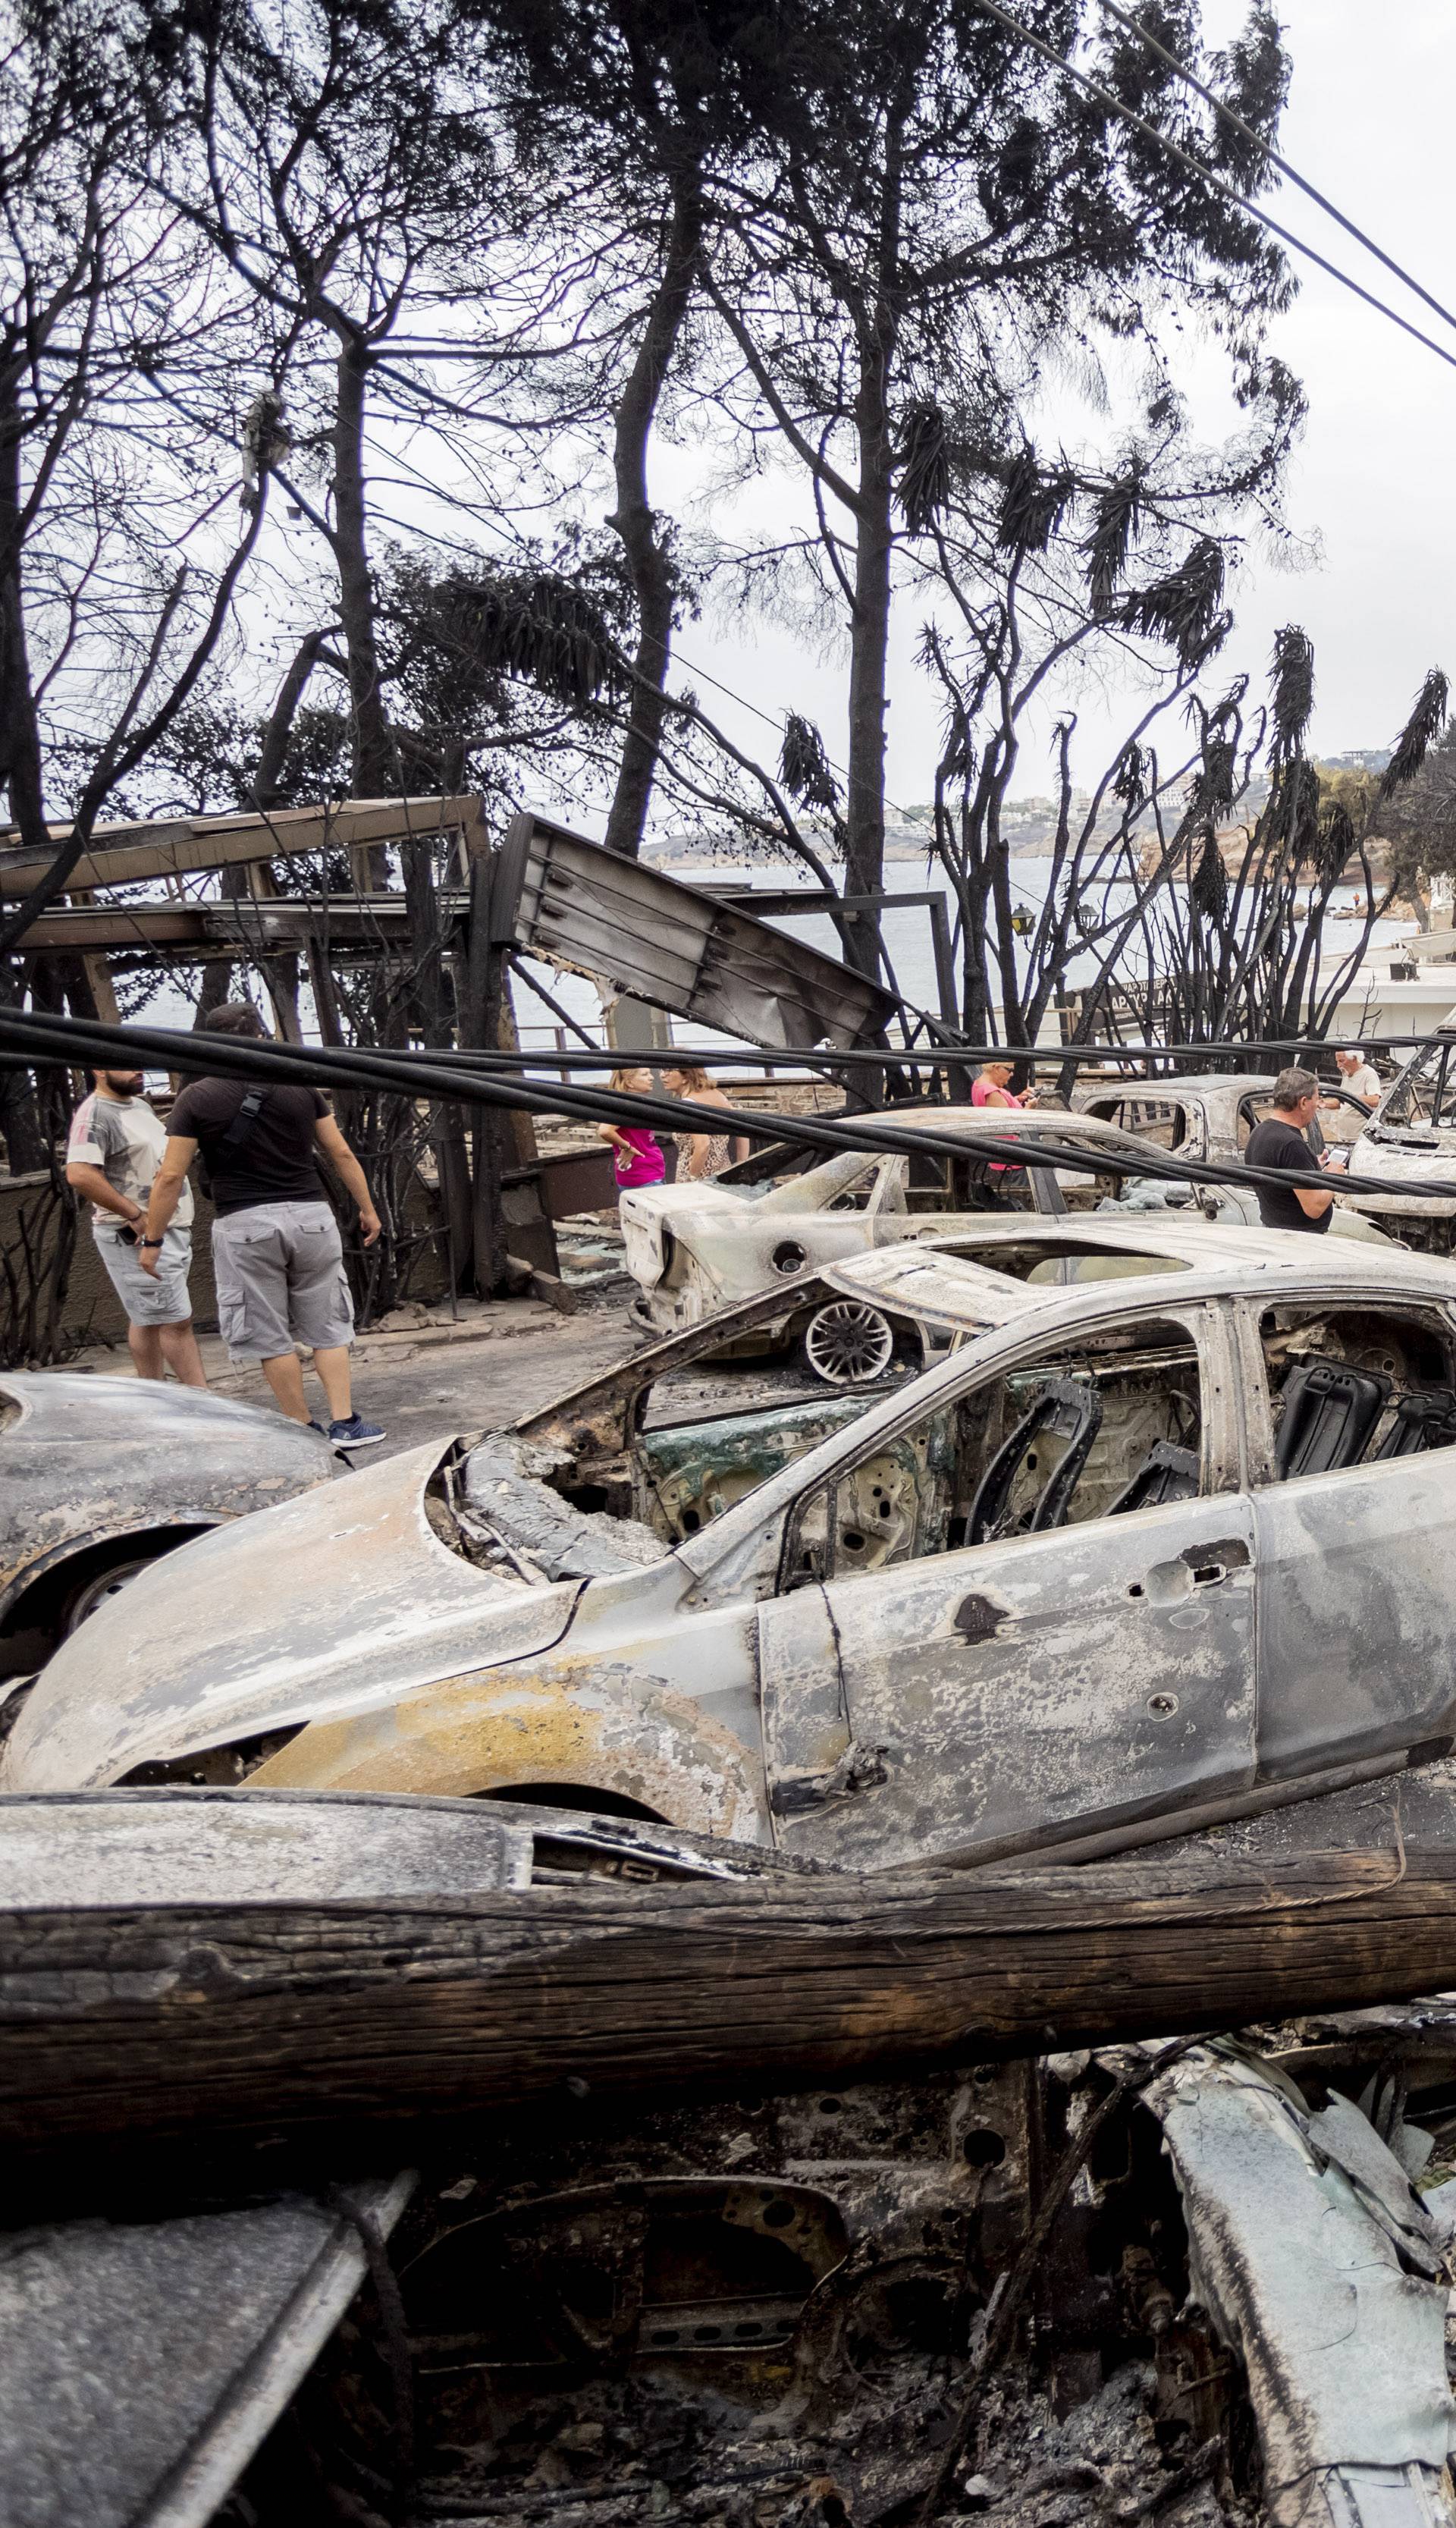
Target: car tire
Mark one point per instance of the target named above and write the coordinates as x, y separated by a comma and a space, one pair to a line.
848, 1343
90, 1594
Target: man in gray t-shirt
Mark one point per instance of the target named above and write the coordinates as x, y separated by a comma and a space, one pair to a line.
113, 1152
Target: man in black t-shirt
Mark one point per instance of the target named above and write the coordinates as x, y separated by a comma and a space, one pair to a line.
276, 1246
1280, 1142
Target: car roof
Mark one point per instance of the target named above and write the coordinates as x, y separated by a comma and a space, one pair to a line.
946, 1277
1203, 1083
984, 1122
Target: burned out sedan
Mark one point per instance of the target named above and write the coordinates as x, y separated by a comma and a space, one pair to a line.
1132, 1552
694, 1248
1210, 1115
1210, 1118
1409, 1145
99, 1476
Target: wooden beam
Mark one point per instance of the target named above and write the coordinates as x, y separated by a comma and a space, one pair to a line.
124, 855
348, 920
284, 2017
103, 926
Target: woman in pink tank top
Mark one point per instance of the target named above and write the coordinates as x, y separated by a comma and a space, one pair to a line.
991, 1087
636, 1157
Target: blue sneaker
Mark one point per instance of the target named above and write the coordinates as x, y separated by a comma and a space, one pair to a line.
355, 1433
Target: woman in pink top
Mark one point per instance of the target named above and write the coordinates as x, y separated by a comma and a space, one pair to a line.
990, 1088
636, 1157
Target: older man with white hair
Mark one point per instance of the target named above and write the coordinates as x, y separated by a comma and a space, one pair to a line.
1358, 1076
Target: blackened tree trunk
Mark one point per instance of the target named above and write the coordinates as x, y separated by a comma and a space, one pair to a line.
19, 1110
875, 546
864, 805
373, 772
643, 541
20, 735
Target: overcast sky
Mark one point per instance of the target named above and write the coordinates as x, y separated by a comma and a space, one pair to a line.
1369, 121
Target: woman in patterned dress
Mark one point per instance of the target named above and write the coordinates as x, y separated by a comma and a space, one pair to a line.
701, 1154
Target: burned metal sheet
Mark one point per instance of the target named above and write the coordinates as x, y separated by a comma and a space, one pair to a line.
1317, 2264
144, 2362
590, 912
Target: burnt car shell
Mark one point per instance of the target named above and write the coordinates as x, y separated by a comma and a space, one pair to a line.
392, 1659
99, 1471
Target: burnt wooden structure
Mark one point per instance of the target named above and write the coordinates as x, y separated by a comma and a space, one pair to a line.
545, 892
497, 1204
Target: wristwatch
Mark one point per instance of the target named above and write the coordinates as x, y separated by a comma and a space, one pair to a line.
151, 1242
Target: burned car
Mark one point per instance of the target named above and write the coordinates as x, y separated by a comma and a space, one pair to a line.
692, 1248
99, 1476
1129, 1555
1210, 1115
1210, 1118
1409, 1142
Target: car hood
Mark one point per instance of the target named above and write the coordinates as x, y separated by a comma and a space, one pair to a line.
332, 1604
1403, 1156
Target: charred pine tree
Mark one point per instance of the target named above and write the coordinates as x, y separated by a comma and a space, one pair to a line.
938, 207
1236, 948
1051, 569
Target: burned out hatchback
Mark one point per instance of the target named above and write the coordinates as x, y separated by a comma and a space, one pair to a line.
1141, 1525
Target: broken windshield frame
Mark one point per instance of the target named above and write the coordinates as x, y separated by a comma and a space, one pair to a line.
1422, 1098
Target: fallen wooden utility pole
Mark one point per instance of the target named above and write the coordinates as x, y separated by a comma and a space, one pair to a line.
234, 2018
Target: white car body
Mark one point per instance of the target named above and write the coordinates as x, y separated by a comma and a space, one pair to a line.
1409, 1142
1135, 1553
697, 1246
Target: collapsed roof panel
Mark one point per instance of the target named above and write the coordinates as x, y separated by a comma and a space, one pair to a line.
589, 910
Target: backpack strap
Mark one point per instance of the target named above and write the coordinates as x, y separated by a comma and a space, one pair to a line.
234, 1137
240, 1131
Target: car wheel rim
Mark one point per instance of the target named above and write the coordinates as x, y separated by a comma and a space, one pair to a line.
848, 1343
107, 1584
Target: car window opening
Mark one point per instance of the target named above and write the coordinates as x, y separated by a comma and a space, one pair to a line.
1152, 1119
1352, 1386
1423, 1098
1087, 1431
1063, 1259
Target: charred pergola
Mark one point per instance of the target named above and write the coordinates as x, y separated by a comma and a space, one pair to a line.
428, 961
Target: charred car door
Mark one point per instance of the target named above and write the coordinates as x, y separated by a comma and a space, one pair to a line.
1351, 1413
1026, 1619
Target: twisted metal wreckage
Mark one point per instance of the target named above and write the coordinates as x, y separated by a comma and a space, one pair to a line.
492, 2165
480, 2161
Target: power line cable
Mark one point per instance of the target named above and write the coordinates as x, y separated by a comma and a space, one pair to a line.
1103, 97
768, 717
1231, 115
954, 1054
34, 1036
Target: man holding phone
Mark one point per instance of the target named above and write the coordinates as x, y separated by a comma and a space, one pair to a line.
113, 1152
1282, 1142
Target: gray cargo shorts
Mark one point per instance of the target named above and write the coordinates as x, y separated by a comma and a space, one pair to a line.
281, 1280
148, 1302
